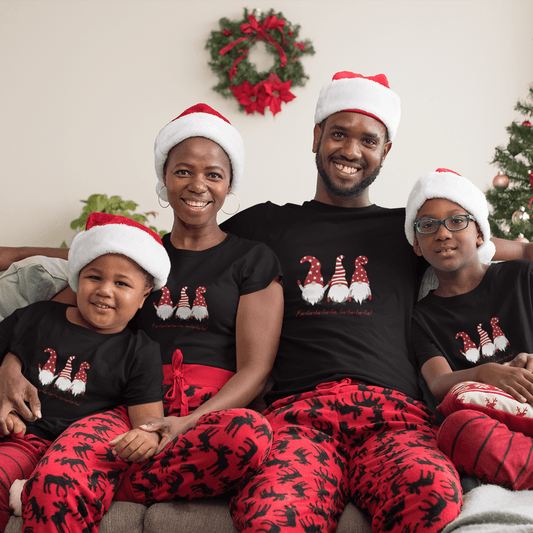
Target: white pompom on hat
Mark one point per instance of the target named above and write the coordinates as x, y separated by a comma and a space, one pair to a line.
370, 95
111, 234
199, 120
444, 183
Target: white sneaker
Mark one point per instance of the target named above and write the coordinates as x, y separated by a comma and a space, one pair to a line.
15, 496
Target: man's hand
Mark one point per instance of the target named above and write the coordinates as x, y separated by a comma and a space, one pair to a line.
15, 392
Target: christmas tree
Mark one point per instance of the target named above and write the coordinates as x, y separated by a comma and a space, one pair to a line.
511, 198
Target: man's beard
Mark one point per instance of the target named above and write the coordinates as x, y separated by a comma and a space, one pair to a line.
352, 192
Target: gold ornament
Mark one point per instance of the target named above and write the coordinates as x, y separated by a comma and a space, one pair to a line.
519, 216
500, 180
521, 238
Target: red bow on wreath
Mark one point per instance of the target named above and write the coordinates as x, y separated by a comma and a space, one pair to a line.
257, 31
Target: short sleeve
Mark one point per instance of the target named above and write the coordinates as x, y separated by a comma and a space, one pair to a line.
260, 269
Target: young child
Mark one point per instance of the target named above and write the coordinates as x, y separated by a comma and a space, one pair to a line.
475, 328
83, 359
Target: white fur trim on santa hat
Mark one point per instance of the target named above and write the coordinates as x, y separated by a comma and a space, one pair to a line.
116, 238
360, 94
199, 124
447, 184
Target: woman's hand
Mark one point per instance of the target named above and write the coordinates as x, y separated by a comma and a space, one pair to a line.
514, 380
135, 445
15, 391
168, 428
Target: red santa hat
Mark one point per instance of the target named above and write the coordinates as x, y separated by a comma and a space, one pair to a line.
199, 120
444, 183
370, 95
314, 274
110, 234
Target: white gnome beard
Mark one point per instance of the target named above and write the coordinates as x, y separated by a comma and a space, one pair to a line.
199, 312
313, 293
46, 377
501, 343
164, 311
78, 387
472, 355
338, 293
360, 291
63, 384
488, 349
184, 313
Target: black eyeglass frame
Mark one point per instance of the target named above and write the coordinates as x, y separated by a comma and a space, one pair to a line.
467, 217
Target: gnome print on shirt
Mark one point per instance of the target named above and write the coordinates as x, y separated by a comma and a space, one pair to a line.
487, 347
183, 311
63, 380
313, 289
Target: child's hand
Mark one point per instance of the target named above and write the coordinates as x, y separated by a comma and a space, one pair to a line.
15, 426
513, 379
135, 445
522, 360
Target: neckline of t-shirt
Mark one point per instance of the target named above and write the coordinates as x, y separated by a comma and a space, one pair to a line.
315, 205
458, 299
171, 249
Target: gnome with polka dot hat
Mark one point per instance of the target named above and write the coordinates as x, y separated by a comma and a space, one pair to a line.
79, 383
498, 336
470, 351
360, 286
199, 306
47, 372
313, 288
164, 308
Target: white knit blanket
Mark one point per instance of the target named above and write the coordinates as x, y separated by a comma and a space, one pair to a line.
493, 509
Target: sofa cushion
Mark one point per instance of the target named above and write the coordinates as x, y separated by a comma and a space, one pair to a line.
31, 280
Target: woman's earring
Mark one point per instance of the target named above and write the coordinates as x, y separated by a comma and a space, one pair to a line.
238, 205
159, 198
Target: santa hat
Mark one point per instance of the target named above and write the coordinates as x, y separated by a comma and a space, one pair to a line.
444, 183
110, 234
199, 120
368, 95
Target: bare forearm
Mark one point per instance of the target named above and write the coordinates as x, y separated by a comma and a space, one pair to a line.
10, 255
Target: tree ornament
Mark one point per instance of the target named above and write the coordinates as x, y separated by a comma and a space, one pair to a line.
500, 180
521, 238
526, 123
238, 77
530, 174
519, 216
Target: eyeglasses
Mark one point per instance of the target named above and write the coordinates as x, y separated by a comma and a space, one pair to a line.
427, 226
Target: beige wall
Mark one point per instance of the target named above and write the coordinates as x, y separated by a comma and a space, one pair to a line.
85, 85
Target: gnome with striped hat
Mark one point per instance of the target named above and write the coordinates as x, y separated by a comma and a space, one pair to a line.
487, 346
338, 286
63, 381
184, 310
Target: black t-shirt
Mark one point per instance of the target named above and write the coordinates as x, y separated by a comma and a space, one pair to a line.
79, 372
350, 280
196, 310
490, 324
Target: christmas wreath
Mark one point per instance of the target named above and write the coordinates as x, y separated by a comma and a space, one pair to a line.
238, 77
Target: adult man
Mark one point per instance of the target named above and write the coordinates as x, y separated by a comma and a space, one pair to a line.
347, 418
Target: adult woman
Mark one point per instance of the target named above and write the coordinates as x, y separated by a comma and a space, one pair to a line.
217, 348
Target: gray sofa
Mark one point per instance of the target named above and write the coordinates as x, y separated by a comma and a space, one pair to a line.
40, 278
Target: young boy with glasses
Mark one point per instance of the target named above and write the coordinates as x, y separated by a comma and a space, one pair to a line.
473, 335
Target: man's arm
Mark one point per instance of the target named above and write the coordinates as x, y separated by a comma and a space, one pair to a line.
10, 255
506, 250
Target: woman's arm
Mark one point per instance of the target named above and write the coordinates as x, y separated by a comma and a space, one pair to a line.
258, 328
516, 381
15, 391
10, 255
